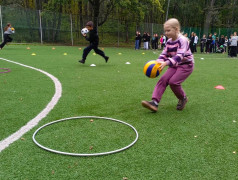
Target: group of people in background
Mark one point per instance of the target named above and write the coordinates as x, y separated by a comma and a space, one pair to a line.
212, 43
222, 44
155, 42
208, 44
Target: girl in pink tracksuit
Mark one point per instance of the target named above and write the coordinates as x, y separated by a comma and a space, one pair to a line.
177, 55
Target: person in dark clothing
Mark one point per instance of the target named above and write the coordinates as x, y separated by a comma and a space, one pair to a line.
192, 42
221, 41
145, 40
226, 43
203, 43
153, 42
140, 40
137, 40
156, 41
94, 41
148, 40
8, 30
208, 44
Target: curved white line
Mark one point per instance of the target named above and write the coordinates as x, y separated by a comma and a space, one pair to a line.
32, 123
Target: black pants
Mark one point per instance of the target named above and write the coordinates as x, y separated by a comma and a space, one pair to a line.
229, 50
153, 45
95, 48
194, 47
191, 47
6, 38
208, 48
211, 48
202, 47
233, 51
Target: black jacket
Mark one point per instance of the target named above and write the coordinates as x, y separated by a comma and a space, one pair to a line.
93, 36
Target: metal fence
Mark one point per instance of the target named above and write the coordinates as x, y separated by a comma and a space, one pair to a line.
36, 26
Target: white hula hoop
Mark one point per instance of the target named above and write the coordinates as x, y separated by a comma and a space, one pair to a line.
78, 154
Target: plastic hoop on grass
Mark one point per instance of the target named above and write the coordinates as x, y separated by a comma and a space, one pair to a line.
7, 70
79, 154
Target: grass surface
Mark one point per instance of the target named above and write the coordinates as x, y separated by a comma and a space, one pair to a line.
199, 142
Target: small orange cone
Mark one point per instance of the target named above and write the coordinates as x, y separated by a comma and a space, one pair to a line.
219, 87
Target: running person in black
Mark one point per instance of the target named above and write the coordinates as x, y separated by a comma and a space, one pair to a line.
94, 40
8, 30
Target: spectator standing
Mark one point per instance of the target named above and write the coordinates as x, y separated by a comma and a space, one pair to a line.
235, 34
144, 37
148, 40
214, 42
161, 41
233, 50
221, 41
156, 41
208, 43
229, 46
195, 42
137, 40
191, 42
153, 42
140, 40
164, 41
226, 43
203, 43
186, 35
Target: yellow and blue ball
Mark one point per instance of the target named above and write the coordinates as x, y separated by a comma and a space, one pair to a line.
151, 69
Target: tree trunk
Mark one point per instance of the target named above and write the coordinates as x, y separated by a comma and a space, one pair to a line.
96, 8
208, 19
59, 23
28, 19
80, 5
127, 31
233, 9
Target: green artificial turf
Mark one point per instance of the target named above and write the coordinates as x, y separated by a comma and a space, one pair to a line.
199, 142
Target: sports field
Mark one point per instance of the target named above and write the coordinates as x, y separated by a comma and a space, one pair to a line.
200, 142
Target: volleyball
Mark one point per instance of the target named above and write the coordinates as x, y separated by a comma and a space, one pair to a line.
151, 69
12, 29
84, 31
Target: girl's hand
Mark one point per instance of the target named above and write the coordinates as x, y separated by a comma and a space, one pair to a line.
84, 35
162, 65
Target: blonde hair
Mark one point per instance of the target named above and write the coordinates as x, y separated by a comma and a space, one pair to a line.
174, 23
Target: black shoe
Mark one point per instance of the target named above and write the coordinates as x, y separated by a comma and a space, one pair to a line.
82, 61
181, 103
106, 58
150, 105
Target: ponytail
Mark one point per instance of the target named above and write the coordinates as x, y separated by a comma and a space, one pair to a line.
8, 25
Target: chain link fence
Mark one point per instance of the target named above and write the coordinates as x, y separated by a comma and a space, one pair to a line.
35, 26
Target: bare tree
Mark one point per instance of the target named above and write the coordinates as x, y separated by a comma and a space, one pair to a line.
108, 6
208, 16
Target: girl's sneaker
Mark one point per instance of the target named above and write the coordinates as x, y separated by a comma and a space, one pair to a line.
181, 103
150, 105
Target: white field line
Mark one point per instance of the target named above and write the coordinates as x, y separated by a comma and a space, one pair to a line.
32, 123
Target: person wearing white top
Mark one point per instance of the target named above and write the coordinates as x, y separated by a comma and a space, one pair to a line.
195, 42
233, 45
